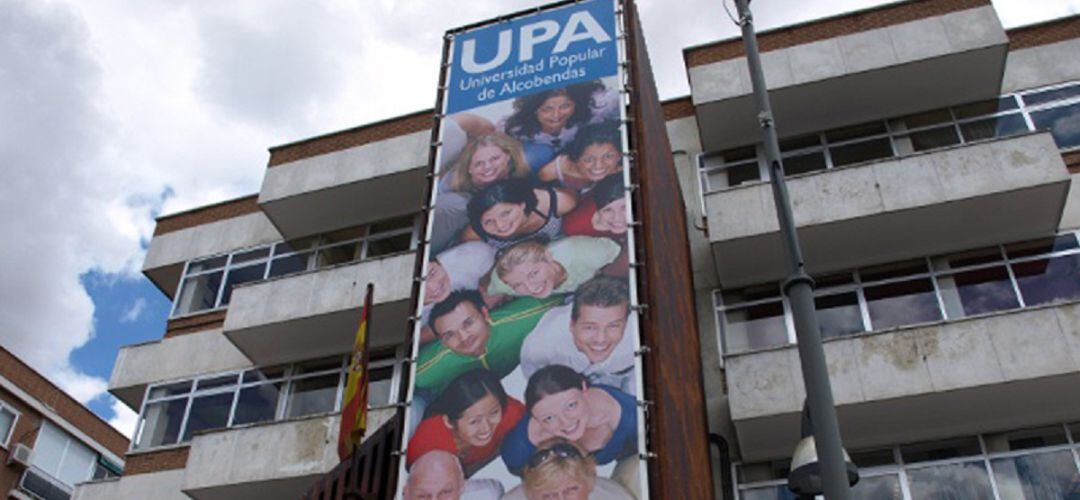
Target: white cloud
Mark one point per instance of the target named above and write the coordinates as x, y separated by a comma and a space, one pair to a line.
124, 419
134, 311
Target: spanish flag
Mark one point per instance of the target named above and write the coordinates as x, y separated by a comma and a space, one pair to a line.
354, 408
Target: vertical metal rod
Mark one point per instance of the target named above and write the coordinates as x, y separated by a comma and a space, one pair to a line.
798, 287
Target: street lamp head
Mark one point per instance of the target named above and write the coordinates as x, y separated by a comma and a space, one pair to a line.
805, 476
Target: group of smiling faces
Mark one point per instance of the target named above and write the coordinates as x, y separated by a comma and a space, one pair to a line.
525, 379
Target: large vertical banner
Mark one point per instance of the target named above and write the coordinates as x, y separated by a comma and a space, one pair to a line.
527, 380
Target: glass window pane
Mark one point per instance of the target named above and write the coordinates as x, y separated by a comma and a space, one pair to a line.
949, 482
242, 275
7, 420
1000, 126
750, 294
856, 131
1045, 96
173, 389
967, 258
207, 264
1063, 123
833, 280
988, 107
873, 458
258, 253
296, 245
198, 293
1041, 246
214, 382
78, 463
257, 403
321, 365
386, 246
861, 151
1042, 476
877, 488
934, 138
984, 290
208, 412
161, 423
734, 175
763, 471
737, 154
1049, 280
902, 303
800, 142
312, 395
339, 254
754, 327
801, 164
379, 386
264, 374
341, 235
839, 314
940, 450
778, 492
49, 449
289, 264
404, 222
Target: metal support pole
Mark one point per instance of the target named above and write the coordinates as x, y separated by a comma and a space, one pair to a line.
799, 288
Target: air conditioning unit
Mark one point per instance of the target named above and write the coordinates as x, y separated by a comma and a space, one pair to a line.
20, 455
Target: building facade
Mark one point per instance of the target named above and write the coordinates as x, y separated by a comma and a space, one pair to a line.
931, 155
49, 442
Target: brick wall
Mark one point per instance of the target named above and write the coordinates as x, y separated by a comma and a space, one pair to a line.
822, 29
345, 139
38, 387
155, 461
25, 432
207, 214
196, 323
1057, 30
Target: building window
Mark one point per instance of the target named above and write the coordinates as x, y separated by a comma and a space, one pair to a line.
175, 411
876, 298
1055, 108
8, 418
1032, 464
207, 283
58, 462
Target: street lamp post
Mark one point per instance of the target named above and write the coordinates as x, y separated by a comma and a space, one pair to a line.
799, 288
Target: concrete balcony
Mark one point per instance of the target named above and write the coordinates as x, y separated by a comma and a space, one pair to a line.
314, 314
163, 485
894, 69
273, 461
940, 201
983, 374
171, 358
373, 181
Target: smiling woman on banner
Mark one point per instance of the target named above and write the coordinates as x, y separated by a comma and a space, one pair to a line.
595, 153
546, 122
485, 160
560, 403
515, 210
538, 270
470, 420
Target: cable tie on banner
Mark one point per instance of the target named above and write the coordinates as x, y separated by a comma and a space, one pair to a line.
402, 404
643, 350
618, 12
644, 403
416, 318
438, 116
640, 308
436, 144
634, 223
628, 119
449, 36
419, 279
637, 263
624, 64
443, 87
398, 453
633, 187
408, 361
622, 36
648, 455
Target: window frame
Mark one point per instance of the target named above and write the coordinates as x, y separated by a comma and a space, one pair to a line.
5, 441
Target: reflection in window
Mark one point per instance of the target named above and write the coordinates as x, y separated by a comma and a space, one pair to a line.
755, 327
950, 482
878, 488
208, 412
1063, 123
1042, 476
838, 314
161, 423
777, 492
313, 395
1049, 280
257, 404
902, 303
980, 291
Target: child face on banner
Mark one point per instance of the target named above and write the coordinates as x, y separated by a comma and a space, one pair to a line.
504, 219
597, 330
464, 330
488, 164
555, 113
611, 218
563, 414
476, 425
599, 161
536, 278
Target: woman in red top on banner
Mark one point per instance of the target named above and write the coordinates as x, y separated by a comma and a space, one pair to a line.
470, 420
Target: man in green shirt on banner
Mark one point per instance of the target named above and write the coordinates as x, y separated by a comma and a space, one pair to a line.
470, 337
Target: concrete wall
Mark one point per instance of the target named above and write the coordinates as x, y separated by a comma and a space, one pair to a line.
855, 53
948, 356
1042, 65
163, 485
1070, 217
319, 292
222, 236
363, 162
172, 358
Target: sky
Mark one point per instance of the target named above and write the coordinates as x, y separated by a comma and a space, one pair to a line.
114, 112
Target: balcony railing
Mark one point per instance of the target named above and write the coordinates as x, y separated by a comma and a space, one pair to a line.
370, 474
